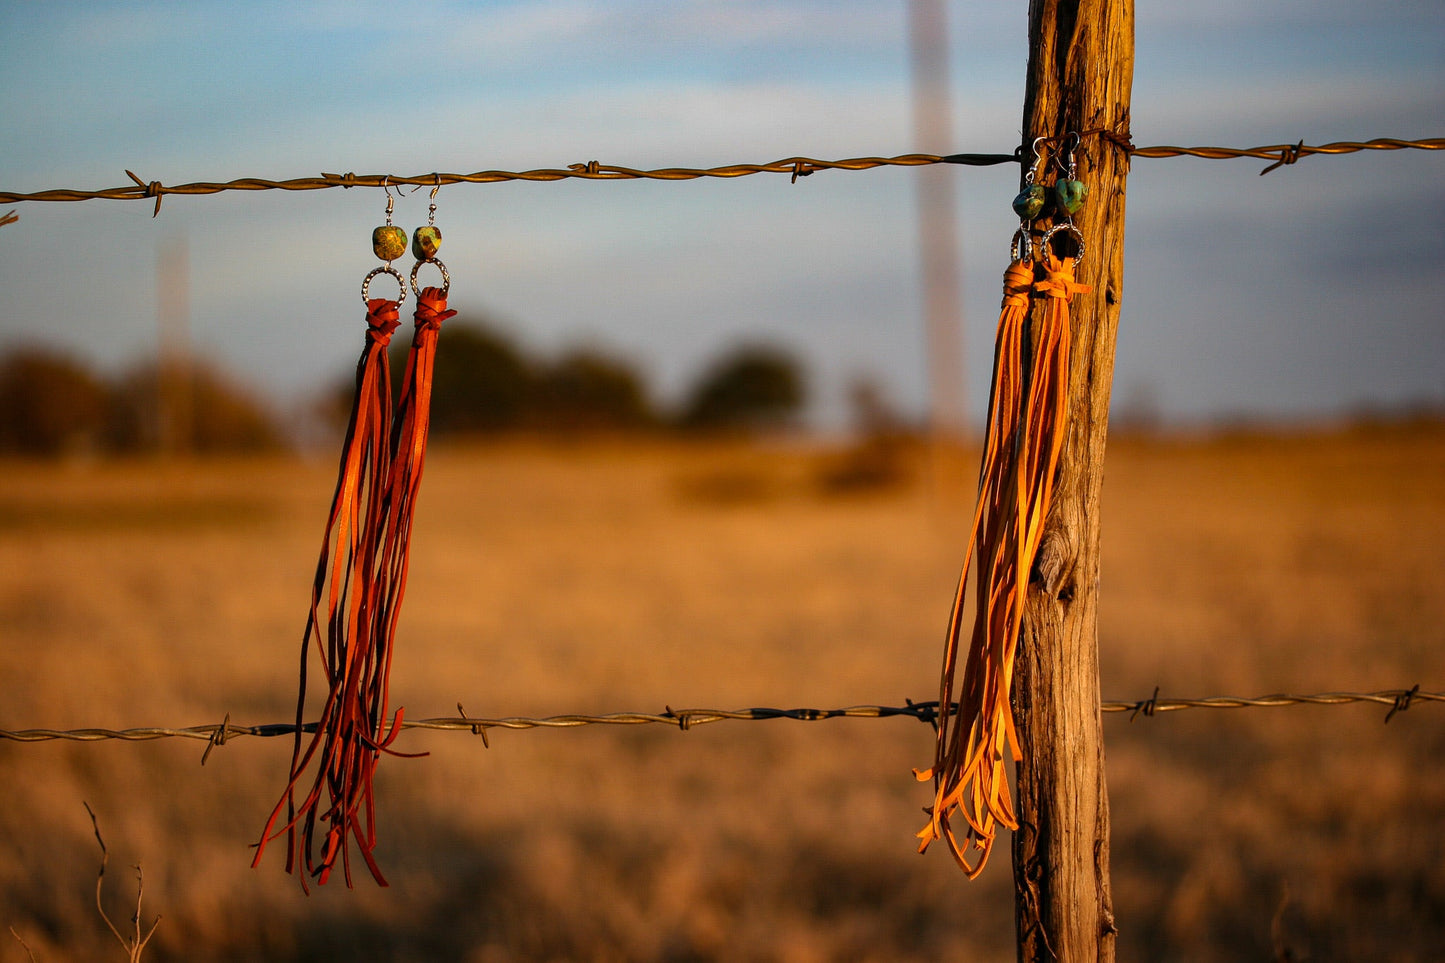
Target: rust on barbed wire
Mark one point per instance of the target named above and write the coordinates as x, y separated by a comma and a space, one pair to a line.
795, 167
218, 734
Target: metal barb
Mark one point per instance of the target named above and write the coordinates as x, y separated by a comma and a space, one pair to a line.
218, 738
1146, 706
477, 728
1402, 701
1288, 154
684, 719
151, 189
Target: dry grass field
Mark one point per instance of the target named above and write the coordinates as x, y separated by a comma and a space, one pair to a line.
550, 579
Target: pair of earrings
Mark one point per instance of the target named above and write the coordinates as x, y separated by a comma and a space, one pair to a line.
1068, 193
388, 242
1027, 422
361, 576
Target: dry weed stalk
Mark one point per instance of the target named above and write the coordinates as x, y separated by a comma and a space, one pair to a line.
23, 944
134, 946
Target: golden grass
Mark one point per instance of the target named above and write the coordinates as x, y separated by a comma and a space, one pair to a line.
598, 578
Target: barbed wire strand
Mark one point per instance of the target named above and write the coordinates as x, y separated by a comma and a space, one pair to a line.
1398, 700
1280, 154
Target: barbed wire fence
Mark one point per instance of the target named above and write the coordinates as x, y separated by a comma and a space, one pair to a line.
219, 734
141, 189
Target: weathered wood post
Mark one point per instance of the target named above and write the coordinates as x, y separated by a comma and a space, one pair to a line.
1081, 66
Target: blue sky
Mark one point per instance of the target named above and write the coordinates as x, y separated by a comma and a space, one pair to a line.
1302, 294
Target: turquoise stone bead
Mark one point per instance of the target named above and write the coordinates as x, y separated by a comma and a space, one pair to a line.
1030, 202
426, 242
388, 242
1070, 194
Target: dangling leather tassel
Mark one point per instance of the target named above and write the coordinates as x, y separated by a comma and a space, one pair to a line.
344, 742
345, 578
1021, 456
965, 777
408, 444
370, 688
366, 686
1026, 428
413, 422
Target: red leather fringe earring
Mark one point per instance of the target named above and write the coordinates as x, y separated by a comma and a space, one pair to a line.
1025, 433
350, 732
408, 444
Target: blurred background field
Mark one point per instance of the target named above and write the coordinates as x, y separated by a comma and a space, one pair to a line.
556, 576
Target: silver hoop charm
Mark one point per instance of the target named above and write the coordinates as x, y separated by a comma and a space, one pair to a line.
446, 278
1021, 249
1066, 226
366, 284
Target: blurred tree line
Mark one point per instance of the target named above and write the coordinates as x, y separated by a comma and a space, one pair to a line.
484, 383
52, 405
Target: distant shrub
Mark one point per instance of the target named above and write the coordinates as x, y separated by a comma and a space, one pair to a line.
49, 404
756, 386
485, 383
481, 382
190, 408
585, 391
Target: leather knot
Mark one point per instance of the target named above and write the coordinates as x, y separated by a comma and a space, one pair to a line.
381, 319
1017, 281
431, 309
1059, 279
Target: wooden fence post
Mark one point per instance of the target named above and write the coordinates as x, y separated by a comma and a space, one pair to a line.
1081, 65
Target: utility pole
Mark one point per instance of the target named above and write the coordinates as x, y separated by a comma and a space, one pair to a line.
937, 227
1081, 68
175, 406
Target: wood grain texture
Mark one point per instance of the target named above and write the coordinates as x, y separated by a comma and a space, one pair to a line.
1080, 76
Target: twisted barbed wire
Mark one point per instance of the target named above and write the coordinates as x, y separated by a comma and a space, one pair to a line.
1280, 154
218, 734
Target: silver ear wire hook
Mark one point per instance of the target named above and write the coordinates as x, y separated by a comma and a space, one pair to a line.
381, 240
1066, 160
426, 240
1038, 160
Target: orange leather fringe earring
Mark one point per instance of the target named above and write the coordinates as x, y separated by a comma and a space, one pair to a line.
408, 444
1024, 436
350, 731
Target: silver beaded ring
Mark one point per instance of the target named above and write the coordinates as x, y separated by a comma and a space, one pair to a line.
1021, 249
1066, 226
446, 278
366, 284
